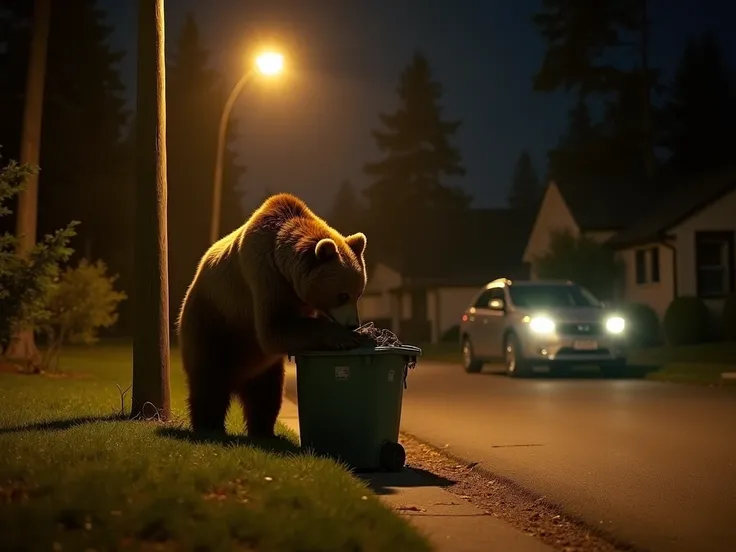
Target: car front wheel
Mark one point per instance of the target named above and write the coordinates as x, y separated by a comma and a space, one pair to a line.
516, 364
471, 364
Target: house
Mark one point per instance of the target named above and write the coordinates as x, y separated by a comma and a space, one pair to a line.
583, 210
683, 245
421, 281
680, 244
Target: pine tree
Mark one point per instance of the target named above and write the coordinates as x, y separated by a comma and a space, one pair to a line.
699, 117
196, 96
582, 150
525, 190
581, 38
577, 32
83, 115
417, 152
346, 214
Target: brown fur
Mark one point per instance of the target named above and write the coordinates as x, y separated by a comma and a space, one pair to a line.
253, 300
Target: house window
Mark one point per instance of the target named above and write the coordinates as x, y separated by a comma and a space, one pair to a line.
641, 266
647, 265
714, 259
654, 264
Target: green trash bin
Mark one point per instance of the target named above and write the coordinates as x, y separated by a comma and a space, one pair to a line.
350, 404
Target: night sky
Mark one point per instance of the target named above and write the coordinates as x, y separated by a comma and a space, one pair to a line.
307, 133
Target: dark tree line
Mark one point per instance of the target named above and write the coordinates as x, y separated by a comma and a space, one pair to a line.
417, 160
647, 128
88, 140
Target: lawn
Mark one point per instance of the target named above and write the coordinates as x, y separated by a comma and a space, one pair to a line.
73, 476
702, 364
686, 364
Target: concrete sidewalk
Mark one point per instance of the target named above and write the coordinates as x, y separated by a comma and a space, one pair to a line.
451, 524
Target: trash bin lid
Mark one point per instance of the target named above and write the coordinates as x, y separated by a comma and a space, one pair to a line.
410, 350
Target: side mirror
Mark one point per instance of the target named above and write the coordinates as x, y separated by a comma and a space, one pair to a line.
497, 304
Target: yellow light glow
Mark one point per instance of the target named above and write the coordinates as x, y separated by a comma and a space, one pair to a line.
270, 63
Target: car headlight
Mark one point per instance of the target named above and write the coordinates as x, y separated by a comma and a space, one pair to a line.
615, 324
542, 325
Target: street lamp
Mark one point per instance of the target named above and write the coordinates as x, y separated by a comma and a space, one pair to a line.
267, 64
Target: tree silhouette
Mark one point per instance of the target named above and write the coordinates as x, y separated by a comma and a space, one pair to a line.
699, 116
415, 141
83, 117
347, 212
195, 98
582, 38
525, 189
582, 150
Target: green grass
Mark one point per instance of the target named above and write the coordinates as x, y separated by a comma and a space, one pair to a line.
705, 353
699, 364
72, 473
704, 373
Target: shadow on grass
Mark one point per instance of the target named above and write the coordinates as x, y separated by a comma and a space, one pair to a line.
383, 483
277, 445
62, 425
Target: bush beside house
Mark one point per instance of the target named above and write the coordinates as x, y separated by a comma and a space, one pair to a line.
687, 321
728, 318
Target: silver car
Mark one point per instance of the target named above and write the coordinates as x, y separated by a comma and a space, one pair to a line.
541, 326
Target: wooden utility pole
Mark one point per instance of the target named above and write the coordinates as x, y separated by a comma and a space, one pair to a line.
151, 393
23, 346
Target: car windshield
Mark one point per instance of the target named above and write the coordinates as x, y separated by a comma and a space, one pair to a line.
549, 296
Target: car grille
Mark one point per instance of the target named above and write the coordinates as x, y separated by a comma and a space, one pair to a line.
569, 351
582, 328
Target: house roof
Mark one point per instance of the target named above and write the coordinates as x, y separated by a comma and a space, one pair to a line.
689, 197
469, 249
602, 203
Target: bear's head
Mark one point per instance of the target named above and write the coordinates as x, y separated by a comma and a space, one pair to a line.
333, 277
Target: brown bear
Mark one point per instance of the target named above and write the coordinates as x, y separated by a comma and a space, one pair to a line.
278, 284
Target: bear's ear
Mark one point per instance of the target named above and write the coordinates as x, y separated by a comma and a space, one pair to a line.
357, 243
325, 249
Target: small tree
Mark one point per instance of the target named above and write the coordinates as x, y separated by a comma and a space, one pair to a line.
80, 303
415, 141
25, 281
525, 191
582, 260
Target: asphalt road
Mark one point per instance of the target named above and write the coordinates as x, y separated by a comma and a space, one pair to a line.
652, 463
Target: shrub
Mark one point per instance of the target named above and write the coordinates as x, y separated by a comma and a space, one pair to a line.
686, 321
81, 302
25, 280
643, 325
728, 317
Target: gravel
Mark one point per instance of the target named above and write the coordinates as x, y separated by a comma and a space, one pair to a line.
513, 504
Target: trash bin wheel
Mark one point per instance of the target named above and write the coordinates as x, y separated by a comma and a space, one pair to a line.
392, 456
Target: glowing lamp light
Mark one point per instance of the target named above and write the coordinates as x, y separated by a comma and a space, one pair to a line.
542, 325
615, 324
270, 63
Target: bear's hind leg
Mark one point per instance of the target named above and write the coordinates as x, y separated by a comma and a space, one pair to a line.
262, 397
208, 406
209, 385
